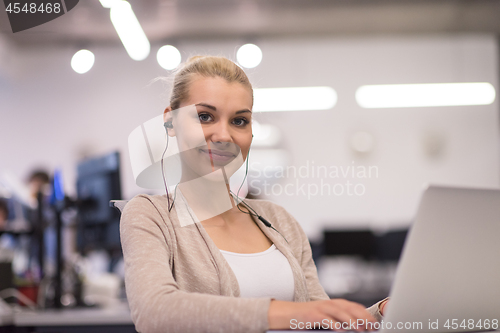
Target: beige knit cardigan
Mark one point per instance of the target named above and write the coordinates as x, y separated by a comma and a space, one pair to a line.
177, 280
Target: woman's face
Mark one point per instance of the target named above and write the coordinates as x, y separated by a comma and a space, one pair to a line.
223, 112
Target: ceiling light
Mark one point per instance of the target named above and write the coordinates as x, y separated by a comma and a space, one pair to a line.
129, 30
425, 95
249, 55
294, 99
168, 57
82, 61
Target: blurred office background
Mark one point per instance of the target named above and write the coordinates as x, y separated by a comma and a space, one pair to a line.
378, 160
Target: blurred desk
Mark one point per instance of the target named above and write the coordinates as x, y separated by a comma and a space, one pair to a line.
77, 320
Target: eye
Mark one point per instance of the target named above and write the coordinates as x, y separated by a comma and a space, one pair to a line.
204, 117
241, 122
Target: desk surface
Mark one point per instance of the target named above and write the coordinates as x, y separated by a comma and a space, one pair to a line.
114, 315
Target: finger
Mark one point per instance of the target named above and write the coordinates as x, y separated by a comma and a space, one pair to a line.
337, 310
362, 316
335, 325
359, 313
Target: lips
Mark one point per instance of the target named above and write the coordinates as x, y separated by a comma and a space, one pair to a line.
218, 156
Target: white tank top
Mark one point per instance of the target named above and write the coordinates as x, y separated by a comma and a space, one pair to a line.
262, 274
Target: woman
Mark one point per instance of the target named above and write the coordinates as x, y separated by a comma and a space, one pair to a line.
233, 269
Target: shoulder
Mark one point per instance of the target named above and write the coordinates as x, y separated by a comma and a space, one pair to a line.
143, 202
145, 217
145, 206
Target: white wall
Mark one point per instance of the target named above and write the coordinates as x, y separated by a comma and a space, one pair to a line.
52, 116
469, 134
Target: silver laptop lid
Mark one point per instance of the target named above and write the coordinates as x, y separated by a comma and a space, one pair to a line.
448, 278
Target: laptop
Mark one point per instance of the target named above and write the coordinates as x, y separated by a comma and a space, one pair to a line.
448, 278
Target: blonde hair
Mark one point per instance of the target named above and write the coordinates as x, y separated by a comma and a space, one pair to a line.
205, 66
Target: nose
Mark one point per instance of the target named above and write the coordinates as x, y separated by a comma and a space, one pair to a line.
220, 134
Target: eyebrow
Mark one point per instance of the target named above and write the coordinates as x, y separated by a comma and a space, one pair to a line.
211, 107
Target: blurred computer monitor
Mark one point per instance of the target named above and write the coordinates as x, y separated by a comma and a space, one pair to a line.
389, 246
348, 242
98, 182
365, 244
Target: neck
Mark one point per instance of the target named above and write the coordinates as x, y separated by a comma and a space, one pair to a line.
206, 197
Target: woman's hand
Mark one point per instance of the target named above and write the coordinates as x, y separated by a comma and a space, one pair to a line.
382, 306
338, 314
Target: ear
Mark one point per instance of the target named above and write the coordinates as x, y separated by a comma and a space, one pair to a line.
167, 118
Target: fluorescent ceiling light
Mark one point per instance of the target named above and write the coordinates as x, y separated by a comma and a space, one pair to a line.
249, 55
82, 61
168, 57
129, 30
422, 95
294, 99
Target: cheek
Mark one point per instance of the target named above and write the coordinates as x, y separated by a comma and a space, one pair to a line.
190, 137
245, 146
